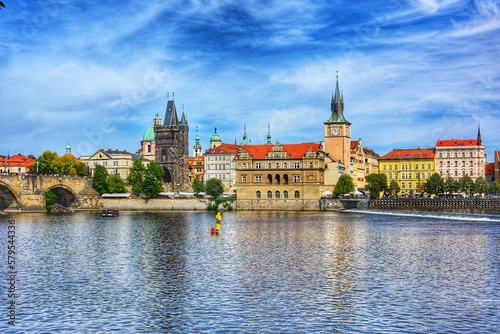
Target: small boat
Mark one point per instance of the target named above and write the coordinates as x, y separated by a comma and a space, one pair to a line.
110, 213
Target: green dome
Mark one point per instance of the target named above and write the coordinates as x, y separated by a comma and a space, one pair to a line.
215, 137
149, 135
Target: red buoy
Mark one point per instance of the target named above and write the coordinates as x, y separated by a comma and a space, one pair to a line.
212, 230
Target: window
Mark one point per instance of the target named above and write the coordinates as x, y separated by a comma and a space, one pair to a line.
456, 173
296, 178
258, 178
243, 179
471, 173
149, 148
257, 194
383, 167
390, 175
296, 165
471, 164
277, 165
269, 194
285, 165
403, 185
285, 194
310, 165
277, 194
269, 165
258, 165
297, 194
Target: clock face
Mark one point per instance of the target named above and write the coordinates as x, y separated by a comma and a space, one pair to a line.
335, 131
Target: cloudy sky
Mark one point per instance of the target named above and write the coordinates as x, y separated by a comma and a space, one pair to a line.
94, 73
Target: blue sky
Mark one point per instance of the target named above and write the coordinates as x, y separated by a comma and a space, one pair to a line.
94, 73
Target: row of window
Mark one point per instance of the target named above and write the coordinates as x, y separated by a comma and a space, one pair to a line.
218, 166
105, 163
277, 165
277, 179
455, 164
218, 158
471, 173
455, 155
277, 194
406, 167
409, 175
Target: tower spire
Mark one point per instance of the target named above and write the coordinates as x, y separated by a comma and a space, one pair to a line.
268, 133
479, 140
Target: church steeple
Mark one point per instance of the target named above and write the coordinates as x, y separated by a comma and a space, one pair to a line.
171, 113
479, 140
197, 145
337, 106
268, 133
245, 141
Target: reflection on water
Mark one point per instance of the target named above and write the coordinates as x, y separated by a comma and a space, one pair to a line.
266, 272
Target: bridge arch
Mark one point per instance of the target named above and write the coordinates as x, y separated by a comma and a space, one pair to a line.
8, 197
65, 195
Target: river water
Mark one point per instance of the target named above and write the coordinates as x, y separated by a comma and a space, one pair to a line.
266, 272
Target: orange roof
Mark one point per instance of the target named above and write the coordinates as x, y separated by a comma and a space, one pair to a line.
296, 151
19, 160
458, 142
489, 169
354, 144
409, 153
223, 149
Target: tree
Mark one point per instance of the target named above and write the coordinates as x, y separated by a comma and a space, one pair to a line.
99, 179
50, 198
2, 4
495, 188
344, 185
153, 177
198, 186
394, 187
114, 184
434, 184
49, 163
136, 177
377, 183
214, 187
481, 186
466, 184
450, 186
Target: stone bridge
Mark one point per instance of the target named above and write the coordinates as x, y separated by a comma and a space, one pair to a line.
27, 192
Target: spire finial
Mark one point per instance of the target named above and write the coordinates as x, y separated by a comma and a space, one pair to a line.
168, 96
337, 75
173, 96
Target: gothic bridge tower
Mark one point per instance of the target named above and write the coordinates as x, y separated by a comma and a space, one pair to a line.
172, 148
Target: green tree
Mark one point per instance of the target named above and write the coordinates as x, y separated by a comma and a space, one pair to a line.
377, 183
153, 179
2, 4
214, 187
136, 177
198, 186
344, 185
495, 188
466, 184
49, 163
81, 168
394, 187
99, 179
115, 185
450, 186
50, 199
434, 185
481, 186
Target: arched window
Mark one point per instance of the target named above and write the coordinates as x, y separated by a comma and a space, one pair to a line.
269, 194
257, 194
285, 179
277, 194
285, 194
277, 178
269, 179
297, 194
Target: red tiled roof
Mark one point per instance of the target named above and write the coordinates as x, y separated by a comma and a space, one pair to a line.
457, 142
354, 144
296, 151
489, 169
409, 154
223, 149
19, 160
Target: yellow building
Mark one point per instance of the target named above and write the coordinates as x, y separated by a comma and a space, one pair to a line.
410, 168
115, 161
364, 161
280, 171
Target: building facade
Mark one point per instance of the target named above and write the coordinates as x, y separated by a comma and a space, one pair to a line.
197, 161
456, 158
172, 149
148, 144
280, 171
219, 164
497, 166
115, 161
410, 168
16, 164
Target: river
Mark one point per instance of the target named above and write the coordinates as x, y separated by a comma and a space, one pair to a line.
266, 272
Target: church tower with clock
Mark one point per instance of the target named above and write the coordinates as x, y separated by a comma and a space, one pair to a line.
338, 131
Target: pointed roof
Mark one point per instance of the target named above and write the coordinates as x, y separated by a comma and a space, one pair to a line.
197, 144
171, 114
245, 141
223, 149
409, 154
479, 140
268, 133
337, 106
458, 142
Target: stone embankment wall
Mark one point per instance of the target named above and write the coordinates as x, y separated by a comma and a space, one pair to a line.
323, 204
436, 204
156, 204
